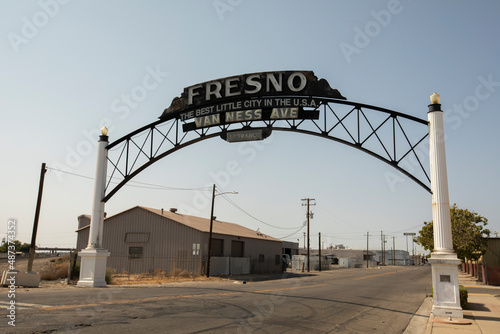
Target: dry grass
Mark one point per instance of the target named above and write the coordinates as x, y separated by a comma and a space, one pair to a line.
57, 269
159, 276
181, 273
160, 273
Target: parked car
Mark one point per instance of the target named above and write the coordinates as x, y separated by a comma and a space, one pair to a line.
332, 259
287, 262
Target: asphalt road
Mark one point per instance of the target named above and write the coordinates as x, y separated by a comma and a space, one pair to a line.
342, 300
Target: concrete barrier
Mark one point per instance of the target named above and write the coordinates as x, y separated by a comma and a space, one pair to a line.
19, 278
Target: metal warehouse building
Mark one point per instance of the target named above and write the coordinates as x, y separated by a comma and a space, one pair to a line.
142, 240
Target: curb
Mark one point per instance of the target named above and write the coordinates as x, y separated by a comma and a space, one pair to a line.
419, 323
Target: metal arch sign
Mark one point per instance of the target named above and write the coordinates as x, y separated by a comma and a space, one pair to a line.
228, 107
250, 97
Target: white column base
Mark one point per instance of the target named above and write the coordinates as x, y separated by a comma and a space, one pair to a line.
93, 267
445, 286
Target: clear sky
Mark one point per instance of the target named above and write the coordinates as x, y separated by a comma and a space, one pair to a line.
66, 65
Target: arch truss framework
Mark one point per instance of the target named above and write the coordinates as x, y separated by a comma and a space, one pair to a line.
387, 135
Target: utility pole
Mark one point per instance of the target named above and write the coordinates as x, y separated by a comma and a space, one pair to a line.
319, 251
407, 244
308, 215
394, 250
413, 247
367, 238
407, 234
37, 215
385, 248
382, 246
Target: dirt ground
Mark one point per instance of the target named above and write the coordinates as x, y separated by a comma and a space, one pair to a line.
40, 264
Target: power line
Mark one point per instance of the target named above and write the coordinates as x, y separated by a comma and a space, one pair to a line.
324, 211
137, 185
287, 236
257, 219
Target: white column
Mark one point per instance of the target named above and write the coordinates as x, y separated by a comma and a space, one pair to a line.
443, 259
93, 258
95, 234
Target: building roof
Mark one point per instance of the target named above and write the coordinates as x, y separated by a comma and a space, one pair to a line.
203, 224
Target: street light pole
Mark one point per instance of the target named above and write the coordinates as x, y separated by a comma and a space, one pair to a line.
210, 234
211, 227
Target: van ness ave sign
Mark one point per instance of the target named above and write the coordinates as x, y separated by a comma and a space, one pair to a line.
249, 92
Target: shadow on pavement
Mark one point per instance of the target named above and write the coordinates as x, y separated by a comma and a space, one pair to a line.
476, 307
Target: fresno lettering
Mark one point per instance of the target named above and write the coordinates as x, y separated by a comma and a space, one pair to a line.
246, 85
249, 91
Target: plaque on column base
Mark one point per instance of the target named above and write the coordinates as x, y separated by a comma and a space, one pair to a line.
445, 286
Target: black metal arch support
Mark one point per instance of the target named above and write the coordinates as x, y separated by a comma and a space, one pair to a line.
353, 125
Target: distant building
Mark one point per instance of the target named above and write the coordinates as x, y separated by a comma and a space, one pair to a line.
357, 257
395, 258
339, 246
488, 268
143, 240
290, 248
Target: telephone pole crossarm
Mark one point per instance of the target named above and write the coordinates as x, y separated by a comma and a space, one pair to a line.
307, 202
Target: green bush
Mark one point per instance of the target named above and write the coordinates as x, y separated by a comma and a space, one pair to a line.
76, 271
463, 296
109, 276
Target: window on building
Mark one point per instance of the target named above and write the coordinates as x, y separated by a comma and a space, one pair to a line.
196, 249
261, 257
135, 253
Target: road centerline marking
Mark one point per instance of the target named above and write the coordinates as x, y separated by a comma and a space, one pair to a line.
392, 272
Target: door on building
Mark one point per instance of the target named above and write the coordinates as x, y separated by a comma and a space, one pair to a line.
217, 247
237, 248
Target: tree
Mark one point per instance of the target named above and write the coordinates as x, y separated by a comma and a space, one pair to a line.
25, 248
468, 234
5, 247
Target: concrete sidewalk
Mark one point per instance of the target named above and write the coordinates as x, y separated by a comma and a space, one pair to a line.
482, 314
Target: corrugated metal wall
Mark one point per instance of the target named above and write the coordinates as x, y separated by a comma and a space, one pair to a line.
170, 245
169, 248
